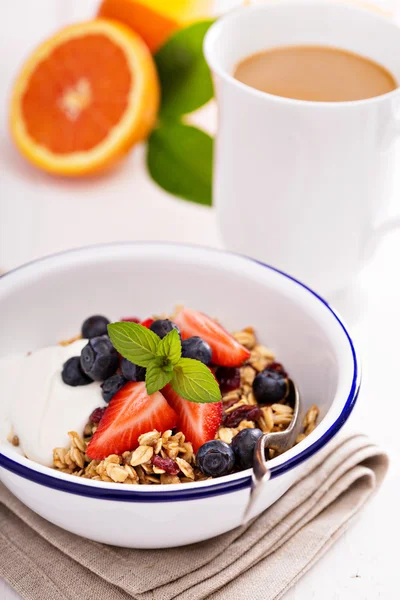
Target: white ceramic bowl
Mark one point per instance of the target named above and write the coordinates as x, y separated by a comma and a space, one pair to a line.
46, 300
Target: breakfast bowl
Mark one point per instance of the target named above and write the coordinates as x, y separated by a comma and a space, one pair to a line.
42, 302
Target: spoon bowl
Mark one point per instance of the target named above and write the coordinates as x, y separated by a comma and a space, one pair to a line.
280, 441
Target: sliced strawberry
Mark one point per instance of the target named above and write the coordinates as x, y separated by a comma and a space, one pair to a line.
130, 319
226, 351
130, 413
147, 323
199, 422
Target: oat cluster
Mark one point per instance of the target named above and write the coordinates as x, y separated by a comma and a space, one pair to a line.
159, 459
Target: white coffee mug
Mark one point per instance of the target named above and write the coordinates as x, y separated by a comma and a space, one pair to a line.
297, 184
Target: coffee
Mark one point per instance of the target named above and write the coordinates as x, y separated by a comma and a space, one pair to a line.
317, 73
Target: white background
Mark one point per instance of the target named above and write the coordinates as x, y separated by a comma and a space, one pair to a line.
40, 214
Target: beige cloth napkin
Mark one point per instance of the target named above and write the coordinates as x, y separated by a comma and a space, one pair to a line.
259, 561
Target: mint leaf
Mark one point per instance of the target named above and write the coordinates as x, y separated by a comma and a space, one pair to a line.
184, 74
157, 377
170, 347
179, 160
194, 381
135, 342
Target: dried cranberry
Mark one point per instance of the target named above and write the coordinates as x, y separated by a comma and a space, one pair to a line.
230, 403
131, 319
277, 367
97, 415
228, 378
166, 464
242, 413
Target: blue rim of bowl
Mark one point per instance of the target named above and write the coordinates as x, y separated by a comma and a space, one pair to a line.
103, 493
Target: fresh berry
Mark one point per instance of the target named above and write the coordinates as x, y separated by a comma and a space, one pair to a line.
215, 458
243, 445
226, 351
94, 326
242, 413
72, 373
111, 386
270, 387
167, 464
147, 323
132, 372
195, 347
163, 326
130, 413
199, 422
228, 378
130, 319
97, 414
99, 358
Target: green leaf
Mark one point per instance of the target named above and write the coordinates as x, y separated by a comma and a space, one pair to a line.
170, 347
179, 159
157, 377
194, 381
135, 342
184, 74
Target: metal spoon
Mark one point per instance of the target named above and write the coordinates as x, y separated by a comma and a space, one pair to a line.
278, 441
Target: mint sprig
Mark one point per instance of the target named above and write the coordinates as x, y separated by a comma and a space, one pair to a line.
157, 377
190, 378
170, 347
135, 342
194, 381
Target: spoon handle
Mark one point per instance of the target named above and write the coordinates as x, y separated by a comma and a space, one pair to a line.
261, 472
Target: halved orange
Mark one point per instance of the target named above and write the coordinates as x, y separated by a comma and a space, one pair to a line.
84, 97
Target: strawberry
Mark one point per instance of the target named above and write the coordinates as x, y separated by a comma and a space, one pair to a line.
226, 351
147, 323
130, 413
130, 319
199, 422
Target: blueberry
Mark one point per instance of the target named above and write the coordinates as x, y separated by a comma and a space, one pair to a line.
195, 347
243, 445
228, 378
270, 387
99, 358
94, 326
215, 458
163, 326
72, 373
132, 372
112, 385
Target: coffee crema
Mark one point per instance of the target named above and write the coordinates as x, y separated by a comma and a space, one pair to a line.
316, 73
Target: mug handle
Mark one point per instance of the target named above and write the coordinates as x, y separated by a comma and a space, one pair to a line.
379, 230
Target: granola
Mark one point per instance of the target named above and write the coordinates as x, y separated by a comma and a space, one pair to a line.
139, 466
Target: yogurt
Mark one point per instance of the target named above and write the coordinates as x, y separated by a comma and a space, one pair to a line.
42, 407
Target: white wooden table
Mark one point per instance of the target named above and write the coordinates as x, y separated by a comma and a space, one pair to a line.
39, 215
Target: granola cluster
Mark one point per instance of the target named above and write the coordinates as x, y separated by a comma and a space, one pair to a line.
159, 459
166, 458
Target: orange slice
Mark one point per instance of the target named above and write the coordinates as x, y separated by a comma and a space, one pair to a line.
84, 97
155, 20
